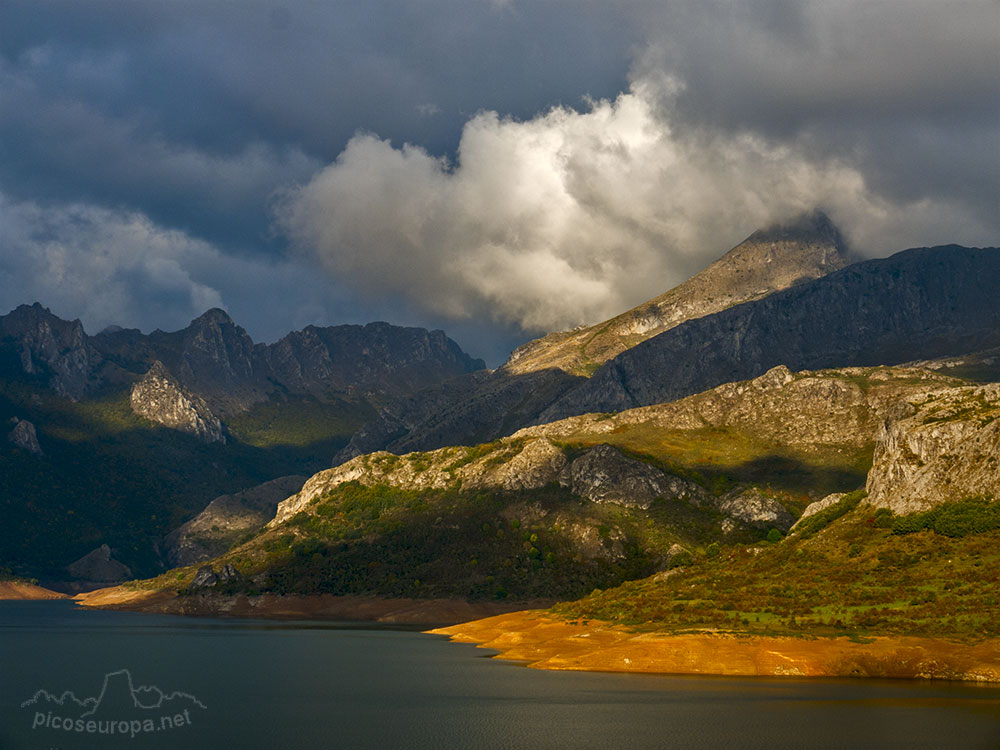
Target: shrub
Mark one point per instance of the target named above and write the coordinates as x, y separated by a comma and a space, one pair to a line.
973, 515
774, 536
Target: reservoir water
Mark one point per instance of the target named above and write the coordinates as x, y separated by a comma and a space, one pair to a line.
150, 681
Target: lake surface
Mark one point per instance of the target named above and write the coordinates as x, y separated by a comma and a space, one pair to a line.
257, 684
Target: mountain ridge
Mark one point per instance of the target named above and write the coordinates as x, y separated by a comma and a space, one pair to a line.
918, 303
773, 258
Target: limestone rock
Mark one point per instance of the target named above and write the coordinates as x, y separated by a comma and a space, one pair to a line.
24, 437
160, 398
205, 578
605, 475
754, 508
54, 350
509, 465
813, 508
226, 519
944, 446
99, 566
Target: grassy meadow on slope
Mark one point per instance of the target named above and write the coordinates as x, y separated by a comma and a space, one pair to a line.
476, 544
866, 573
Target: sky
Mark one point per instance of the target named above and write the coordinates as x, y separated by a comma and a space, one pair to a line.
495, 168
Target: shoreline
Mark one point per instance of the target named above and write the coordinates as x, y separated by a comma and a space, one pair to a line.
299, 607
24, 592
544, 642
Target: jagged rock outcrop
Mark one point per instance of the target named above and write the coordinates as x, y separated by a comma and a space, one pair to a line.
24, 436
226, 519
754, 508
510, 465
813, 508
99, 566
831, 408
215, 359
44, 346
160, 398
207, 578
604, 475
940, 447
770, 259
922, 303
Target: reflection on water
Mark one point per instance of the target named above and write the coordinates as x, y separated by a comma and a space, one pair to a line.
266, 684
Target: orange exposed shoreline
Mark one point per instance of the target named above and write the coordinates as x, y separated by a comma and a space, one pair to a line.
315, 606
544, 642
18, 590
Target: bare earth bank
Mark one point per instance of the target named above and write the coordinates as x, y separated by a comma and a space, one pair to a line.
19, 590
317, 606
548, 643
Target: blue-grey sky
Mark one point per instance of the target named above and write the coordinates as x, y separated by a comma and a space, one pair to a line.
496, 168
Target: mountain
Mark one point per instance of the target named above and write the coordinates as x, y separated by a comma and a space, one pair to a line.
217, 360
921, 303
56, 352
774, 258
119, 438
477, 408
557, 509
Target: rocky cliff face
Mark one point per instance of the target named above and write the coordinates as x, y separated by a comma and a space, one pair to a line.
604, 475
768, 260
944, 445
226, 519
810, 411
160, 398
928, 302
24, 436
599, 474
56, 351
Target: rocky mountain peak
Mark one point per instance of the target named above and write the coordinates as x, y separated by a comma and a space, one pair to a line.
812, 226
160, 398
50, 348
773, 258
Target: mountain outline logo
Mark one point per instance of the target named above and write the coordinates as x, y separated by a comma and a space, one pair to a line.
120, 707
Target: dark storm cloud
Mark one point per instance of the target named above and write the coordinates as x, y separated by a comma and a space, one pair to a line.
100, 97
175, 133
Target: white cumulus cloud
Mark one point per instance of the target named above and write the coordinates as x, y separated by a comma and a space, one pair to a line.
572, 217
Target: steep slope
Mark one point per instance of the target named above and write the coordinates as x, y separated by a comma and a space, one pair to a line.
227, 518
48, 350
465, 410
485, 406
159, 398
236, 414
921, 303
580, 503
939, 447
768, 260
809, 432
